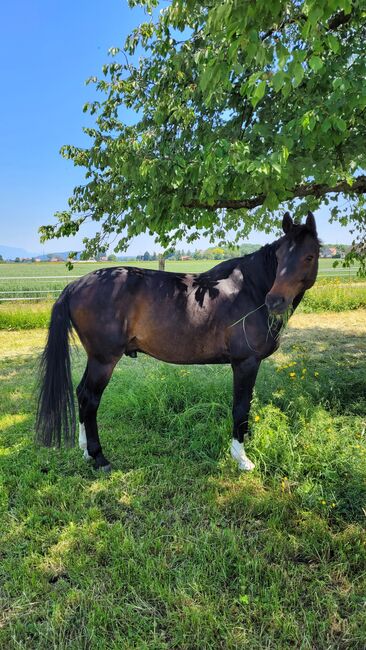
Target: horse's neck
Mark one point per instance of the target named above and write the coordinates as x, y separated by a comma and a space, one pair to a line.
260, 273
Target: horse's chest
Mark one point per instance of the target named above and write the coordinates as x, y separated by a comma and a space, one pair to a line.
254, 336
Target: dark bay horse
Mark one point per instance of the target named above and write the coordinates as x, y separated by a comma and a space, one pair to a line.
225, 315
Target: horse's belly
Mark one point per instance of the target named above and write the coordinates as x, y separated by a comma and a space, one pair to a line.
185, 350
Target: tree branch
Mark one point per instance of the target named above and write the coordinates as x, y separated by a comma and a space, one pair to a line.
333, 23
299, 191
339, 19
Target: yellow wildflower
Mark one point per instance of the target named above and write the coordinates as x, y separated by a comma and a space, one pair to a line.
257, 418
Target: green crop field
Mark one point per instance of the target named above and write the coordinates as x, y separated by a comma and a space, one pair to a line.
177, 549
46, 280
42, 269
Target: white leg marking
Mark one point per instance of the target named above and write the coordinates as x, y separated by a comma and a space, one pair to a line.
82, 437
83, 442
238, 453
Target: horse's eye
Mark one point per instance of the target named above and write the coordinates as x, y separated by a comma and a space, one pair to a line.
309, 258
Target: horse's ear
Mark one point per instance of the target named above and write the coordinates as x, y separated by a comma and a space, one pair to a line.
310, 223
287, 223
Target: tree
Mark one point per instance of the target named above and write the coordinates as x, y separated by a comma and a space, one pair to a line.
242, 108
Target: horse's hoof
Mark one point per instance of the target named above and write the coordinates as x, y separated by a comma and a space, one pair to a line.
246, 465
238, 454
104, 468
86, 455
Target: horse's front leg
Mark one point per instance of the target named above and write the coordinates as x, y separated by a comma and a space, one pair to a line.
245, 374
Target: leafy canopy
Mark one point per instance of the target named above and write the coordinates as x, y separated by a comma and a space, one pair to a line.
240, 108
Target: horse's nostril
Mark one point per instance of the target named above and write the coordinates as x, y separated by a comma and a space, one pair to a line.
274, 302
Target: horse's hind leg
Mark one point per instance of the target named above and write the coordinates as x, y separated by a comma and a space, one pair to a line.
82, 433
89, 392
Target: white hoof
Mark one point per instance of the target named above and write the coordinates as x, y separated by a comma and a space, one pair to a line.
86, 455
238, 454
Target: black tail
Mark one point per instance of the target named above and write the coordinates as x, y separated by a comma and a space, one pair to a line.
56, 410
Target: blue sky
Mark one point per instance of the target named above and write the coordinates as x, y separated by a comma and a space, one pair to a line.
47, 50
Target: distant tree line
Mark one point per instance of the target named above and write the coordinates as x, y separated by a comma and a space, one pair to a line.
212, 253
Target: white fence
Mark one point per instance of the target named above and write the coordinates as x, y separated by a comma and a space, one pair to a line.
12, 295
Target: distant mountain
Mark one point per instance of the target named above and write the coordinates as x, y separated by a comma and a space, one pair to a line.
63, 256
11, 252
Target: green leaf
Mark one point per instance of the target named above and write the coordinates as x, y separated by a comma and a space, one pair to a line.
298, 73
333, 43
278, 80
282, 54
315, 63
258, 94
340, 123
271, 201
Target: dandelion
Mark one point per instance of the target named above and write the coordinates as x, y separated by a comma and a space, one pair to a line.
257, 418
292, 375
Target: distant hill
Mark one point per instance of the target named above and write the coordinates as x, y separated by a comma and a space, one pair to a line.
11, 252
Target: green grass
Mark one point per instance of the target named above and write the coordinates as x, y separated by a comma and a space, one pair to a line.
176, 549
334, 296
189, 266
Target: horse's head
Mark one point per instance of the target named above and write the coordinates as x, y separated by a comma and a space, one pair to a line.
297, 257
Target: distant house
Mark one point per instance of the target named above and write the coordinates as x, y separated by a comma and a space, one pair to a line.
328, 252
37, 259
104, 258
184, 258
55, 259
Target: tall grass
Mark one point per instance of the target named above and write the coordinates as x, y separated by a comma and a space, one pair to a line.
334, 296
26, 315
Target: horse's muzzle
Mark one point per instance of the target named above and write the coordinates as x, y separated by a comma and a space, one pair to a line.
276, 304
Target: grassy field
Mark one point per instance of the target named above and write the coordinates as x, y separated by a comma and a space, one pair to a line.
176, 549
42, 278
188, 266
